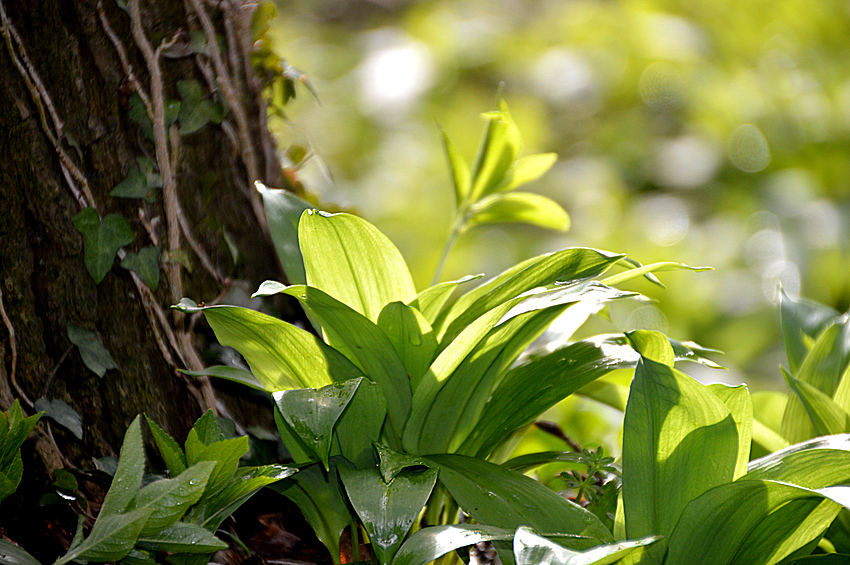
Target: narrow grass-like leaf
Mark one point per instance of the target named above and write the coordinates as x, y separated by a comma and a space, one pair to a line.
411, 335
644, 270
518, 207
826, 416
349, 259
172, 455
566, 266
234, 374
280, 355
737, 400
497, 153
387, 510
431, 300
313, 413
428, 544
525, 463
459, 170
679, 440
496, 496
171, 498
319, 496
181, 538
813, 464
364, 344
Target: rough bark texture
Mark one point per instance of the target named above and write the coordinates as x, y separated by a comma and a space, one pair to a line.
45, 284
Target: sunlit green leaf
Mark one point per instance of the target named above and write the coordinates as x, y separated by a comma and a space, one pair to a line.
826, 416
801, 321
283, 212
244, 483
740, 405
411, 335
349, 259
527, 169
497, 153
814, 464
95, 355
387, 510
431, 300
679, 440
518, 207
459, 170
531, 548
280, 355
111, 538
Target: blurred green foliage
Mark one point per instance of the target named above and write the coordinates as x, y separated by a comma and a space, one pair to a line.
712, 133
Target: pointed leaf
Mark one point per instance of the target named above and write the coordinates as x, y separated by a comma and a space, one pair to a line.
207, 429
94, 355
134, 186
411, 335
172, 455
567, 266
280, 355
111, 538
60, 412
679, 440
531, 548
243, 485
801, 321
234, 374
527, 169
312, 413
387, 510
349, 259
497, 153
128, 476
652, 345
283, 212
320, 498
226, 455
102, 238
496, 496
431, 300
360, 425
645, 270
145, 263
518, 207
427, 544
181, 538
169, 499
459, 170
737, 399
814, 464
393, 462
826, 416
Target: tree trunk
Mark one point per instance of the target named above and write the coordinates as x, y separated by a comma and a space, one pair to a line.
74, 72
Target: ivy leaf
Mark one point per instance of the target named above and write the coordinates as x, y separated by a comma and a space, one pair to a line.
102, 239
94, 355
61, 413
145, 263
141, 182
195, 110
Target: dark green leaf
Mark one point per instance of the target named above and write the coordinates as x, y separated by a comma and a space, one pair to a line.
427, 544
145, 263
94, 355
234, 374
360, 425
525, 463
172, 455
239, 489
169, 499
181, 538
128, 476
387, 510
111, 538
134, 186
226, 455
283, 212
102, 239
207, 429
11, 554
61, 413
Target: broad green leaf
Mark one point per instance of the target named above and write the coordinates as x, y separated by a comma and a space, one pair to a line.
652, 345
531, 548
828, 559
442, 367
801, 321
364, 344
768, 407
427, 544
679, 440
128, 476
431, 300
387, 510
814, 464
172, 455
411, 335
111, 538
319, 496
313, 413
496, 496
283, 212
299, 451
226, 455
518, 207
740, 405
94, 355
822, 369
360, 425
102, 238
459, 170
497, 153
349, 259
239, 488
169, 499
60, 412
826, 416
730, 523
145, 263
11, 554
566, 267
280, 355
181, 538
207, 429
555, 376
393, 462
234, 374
527, 169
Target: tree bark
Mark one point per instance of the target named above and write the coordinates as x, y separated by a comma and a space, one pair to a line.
68, 140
